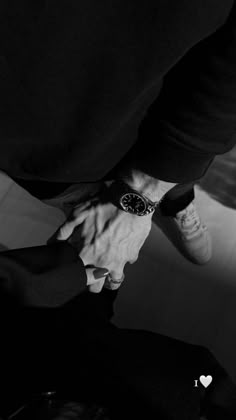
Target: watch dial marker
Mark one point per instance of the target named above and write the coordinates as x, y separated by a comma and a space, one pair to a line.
133, 203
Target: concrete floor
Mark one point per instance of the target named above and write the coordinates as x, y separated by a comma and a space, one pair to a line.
163, 292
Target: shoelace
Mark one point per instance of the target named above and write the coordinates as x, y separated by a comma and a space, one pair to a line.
189, 221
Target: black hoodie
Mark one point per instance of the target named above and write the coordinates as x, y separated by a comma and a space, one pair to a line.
77, 79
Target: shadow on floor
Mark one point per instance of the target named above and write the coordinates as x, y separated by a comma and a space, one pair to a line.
220, 180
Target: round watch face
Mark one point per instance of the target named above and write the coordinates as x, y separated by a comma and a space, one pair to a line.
133, 203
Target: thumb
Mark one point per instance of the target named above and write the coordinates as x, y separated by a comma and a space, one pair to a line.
97, 287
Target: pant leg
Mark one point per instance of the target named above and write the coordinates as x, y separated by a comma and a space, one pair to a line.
138, 374
38, 345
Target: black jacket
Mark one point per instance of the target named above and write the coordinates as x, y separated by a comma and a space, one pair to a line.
42, 276
77, 79
55, 335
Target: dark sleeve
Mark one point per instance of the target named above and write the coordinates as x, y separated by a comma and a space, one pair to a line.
194, 117
43, 276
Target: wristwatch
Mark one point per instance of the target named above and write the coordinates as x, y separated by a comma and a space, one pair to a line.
124, 197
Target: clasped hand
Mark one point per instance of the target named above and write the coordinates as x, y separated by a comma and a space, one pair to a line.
105, 236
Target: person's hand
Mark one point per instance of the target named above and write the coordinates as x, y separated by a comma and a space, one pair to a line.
95, 278
107, 237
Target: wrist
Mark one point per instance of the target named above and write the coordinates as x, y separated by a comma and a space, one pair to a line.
142, 183
127, 199
154, 189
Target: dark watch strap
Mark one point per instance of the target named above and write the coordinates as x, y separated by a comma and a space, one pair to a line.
119, 188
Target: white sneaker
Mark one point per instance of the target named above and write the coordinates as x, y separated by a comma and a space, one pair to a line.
194, 236
187, 233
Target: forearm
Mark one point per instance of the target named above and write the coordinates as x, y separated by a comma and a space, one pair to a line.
193, 119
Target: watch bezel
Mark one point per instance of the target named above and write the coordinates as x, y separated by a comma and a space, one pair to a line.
139, 213
117, 192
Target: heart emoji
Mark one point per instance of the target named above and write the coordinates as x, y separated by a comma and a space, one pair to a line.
205, 380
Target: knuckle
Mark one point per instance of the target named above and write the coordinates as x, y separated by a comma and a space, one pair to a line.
133, 260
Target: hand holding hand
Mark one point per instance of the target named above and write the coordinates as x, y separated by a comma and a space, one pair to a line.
108, 237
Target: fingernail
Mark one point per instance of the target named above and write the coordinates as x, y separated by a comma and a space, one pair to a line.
100, 272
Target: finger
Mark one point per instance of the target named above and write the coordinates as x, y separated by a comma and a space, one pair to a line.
66, 230
117, 274
133, 260
97, 287
52, 238
115, 278
95, 274
113, 284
